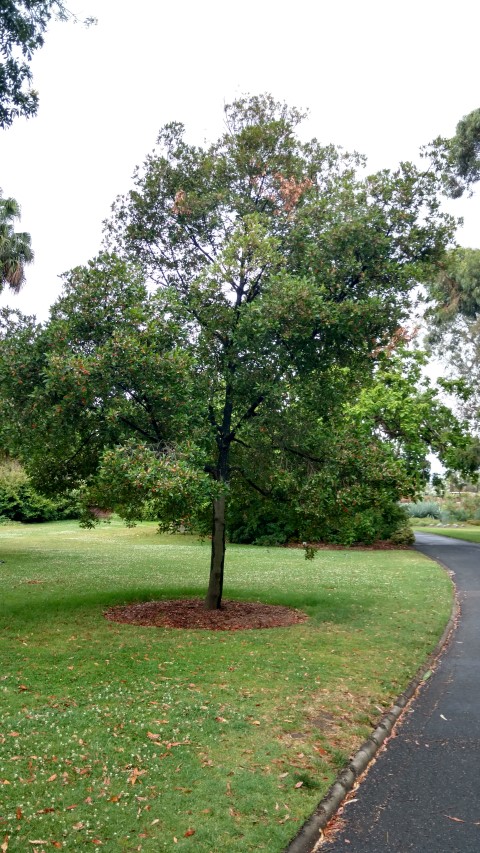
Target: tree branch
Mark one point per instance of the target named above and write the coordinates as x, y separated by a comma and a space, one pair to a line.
250, 413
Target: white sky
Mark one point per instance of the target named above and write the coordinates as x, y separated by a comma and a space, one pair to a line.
381, 77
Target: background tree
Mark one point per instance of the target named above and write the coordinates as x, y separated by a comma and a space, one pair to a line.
282, 276
22, 31
453, 319
343, 483
15, 248
458, 158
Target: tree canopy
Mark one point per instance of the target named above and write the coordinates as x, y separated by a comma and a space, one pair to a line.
22, 30
458, 157
251, 288
453, 318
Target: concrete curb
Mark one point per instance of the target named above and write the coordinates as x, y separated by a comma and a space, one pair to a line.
309, 836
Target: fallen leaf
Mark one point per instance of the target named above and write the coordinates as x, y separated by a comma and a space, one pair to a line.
154, 822
13, 734
70, 808
19, 813
152, 736
298, 785
78, 825
134, 775
456, 819
188, 833
45, 811
52, 778
4, 845
256, 723
57, 844
220, 720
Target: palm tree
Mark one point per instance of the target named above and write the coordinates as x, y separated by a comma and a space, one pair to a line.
15, 249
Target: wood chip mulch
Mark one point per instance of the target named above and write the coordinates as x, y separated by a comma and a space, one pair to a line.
190, 613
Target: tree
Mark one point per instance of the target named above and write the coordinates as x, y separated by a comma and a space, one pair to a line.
455, 289
453, 318
345, 482
15, 249
22, 30
279, 277
458, 158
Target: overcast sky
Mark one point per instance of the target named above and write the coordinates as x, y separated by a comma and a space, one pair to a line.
379, 77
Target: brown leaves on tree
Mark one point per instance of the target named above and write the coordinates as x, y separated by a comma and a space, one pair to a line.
291, 191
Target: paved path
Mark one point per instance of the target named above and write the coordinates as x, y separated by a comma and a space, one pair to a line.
423, 793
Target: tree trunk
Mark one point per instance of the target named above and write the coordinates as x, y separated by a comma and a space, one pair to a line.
215, 587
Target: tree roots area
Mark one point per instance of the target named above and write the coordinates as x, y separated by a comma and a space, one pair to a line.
190, 613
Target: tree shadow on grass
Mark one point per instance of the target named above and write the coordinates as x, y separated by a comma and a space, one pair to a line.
39, 607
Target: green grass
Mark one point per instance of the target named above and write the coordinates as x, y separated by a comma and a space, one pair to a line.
240, 718
469, 534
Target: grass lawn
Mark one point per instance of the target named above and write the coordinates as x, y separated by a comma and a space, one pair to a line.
470, 534
147, 739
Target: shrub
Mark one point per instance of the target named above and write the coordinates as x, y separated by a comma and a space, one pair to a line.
20, 502
423, 509
403, 536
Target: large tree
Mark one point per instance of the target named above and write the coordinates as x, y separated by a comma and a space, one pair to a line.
15, 248
275, 276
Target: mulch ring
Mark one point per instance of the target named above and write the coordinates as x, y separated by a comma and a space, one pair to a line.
190, 613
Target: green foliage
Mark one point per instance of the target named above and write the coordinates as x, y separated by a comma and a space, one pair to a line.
458, 158
22, 28
403, 536
466, 146
423, 509
454, 331
343, 482
455, 290
255, 519
460, 507
310, 551
15, 249
20, 502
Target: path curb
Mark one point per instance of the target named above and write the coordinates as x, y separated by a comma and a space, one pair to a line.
309, 836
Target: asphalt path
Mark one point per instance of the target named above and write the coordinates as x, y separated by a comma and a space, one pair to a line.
423, 792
